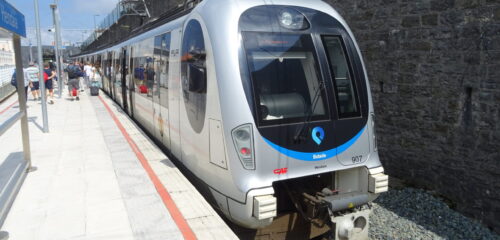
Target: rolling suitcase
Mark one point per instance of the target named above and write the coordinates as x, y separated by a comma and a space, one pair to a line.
94, 88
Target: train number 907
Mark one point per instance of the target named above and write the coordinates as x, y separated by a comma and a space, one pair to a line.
357, 159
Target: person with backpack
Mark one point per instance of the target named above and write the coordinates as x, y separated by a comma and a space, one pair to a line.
13, 82
74, 73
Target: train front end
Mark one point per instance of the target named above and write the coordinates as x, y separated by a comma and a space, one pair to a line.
309, 144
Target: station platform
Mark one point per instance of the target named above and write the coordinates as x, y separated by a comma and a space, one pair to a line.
98, 176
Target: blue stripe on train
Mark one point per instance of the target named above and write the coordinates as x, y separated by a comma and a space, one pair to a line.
316, 156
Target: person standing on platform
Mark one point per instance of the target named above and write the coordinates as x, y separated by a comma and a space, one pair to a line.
53, 66
49, 85
74, 73
13, 82
81, 77
88, 73
32, 74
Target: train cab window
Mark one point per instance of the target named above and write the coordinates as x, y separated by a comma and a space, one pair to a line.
345, 87
193, 59
284, 72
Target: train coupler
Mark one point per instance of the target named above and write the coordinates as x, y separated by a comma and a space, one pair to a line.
350, 224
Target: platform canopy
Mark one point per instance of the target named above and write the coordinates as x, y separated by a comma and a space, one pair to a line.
11, 19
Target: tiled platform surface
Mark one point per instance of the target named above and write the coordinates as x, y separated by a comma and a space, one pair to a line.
89, 183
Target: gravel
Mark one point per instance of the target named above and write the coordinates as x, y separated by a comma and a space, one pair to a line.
415, 214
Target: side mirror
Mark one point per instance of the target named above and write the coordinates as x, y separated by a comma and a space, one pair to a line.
197, 78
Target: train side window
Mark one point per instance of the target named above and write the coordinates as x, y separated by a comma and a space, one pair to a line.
345, 87
118, 68
162, 58
193, 59
143, 64
138, 70
161, 55
149, 70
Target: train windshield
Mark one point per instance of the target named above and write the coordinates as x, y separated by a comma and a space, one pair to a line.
286, 81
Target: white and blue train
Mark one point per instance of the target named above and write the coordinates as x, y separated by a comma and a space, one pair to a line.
267, 102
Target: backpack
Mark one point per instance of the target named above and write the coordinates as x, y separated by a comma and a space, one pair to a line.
13, 80
45, 76
73, 72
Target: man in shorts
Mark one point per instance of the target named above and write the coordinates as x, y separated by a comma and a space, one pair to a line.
74, 73
49, 81
32, 74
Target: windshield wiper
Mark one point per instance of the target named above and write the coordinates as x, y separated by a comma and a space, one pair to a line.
317, 95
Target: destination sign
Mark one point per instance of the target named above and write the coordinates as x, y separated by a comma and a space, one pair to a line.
11, 19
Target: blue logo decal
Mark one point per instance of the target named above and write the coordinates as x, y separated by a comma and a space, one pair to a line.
315, 156
318, 139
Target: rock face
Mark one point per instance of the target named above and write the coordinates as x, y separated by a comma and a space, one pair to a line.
434, 69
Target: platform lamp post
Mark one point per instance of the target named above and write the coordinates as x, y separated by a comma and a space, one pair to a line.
31, 51
40, 69
95, 27
57, 38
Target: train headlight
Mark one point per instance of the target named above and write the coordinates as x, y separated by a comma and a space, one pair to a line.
242, 134
292, 19
243, 142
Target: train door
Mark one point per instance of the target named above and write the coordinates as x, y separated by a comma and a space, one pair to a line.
174, 91
124, 76
116, 71
103, 73
163, 74
109, 68
160, 89
144, 83
131, 84
155, 71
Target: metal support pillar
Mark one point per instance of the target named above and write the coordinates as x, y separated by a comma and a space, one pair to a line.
31, 52
57, 34
21, 94
40, 68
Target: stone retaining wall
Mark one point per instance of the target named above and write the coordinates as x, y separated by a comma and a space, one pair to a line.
434, 68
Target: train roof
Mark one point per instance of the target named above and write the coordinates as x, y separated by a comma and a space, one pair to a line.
175, 19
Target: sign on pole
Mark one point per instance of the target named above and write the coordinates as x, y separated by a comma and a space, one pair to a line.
11, 19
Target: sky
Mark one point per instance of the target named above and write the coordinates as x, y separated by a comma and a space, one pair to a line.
77, 18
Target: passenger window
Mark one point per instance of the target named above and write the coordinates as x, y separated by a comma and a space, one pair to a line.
193, 59
162, 55
345, 87
144, 68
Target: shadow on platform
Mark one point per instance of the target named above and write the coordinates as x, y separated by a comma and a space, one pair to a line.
12, 174
33, 120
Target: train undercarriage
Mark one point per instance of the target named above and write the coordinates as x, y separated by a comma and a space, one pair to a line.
333, 205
